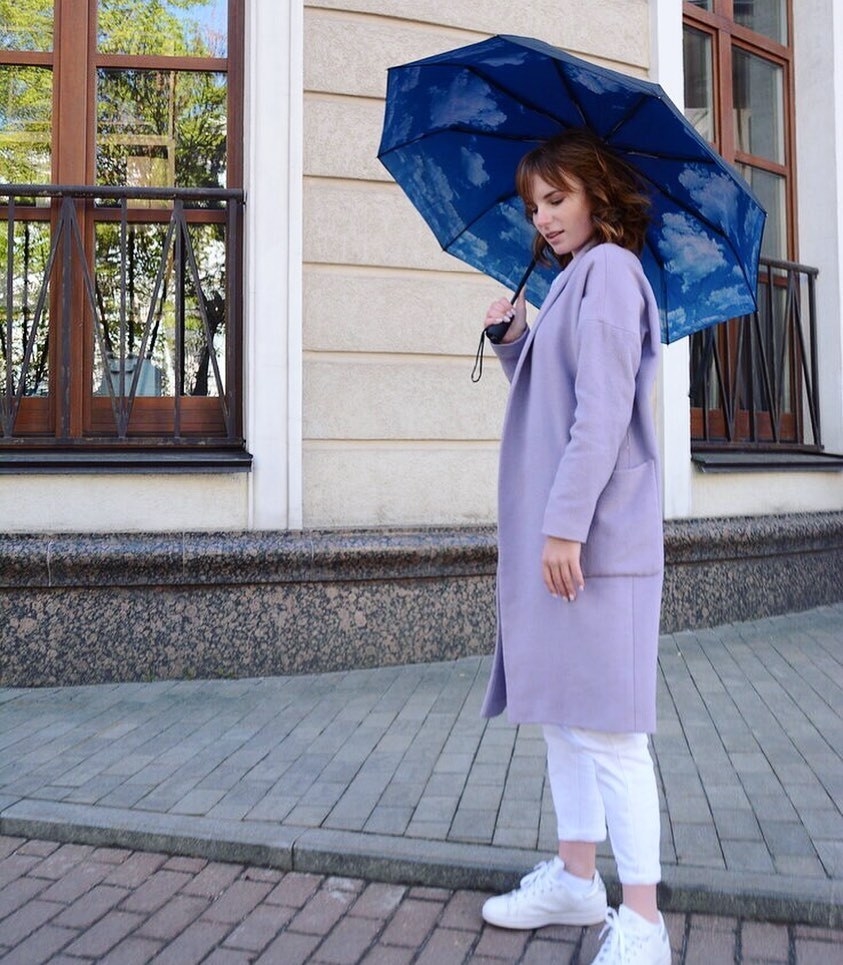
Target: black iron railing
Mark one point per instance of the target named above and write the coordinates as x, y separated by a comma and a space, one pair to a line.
120, 317
754, 379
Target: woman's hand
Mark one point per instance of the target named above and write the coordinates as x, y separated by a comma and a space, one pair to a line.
561, 567
501, 310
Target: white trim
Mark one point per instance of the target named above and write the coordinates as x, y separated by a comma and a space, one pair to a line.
295, 243
273, 352
673, 410
818, 65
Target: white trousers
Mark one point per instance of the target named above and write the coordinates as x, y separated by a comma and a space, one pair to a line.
599, 779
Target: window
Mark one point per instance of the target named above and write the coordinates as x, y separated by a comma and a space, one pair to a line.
753, 379
120, 184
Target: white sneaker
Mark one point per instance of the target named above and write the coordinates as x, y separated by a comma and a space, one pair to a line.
544, 899
628, 943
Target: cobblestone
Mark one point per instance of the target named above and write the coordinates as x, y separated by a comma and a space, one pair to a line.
330, 920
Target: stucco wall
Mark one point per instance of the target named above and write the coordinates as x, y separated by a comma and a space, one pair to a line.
394, 431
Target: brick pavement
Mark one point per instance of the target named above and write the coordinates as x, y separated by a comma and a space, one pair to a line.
67, 903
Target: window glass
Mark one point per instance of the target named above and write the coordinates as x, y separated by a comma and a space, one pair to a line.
176, 28
699, 82
173, 328
23, 337
767, 17
26, 111
26, 25
161, 128
770, 191
759, 106
703, 4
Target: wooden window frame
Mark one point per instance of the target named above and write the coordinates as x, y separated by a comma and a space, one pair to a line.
708, 427
87, 417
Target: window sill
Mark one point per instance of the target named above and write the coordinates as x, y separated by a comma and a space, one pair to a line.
768, 461
126, 461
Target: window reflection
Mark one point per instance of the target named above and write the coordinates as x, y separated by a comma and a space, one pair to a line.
24, 345
26, 26
26, 109
699, 82
767, 17
173, 324
759, 106
189, 28
161, 128
770, 191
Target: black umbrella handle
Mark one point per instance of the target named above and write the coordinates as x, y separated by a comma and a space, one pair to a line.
496, 332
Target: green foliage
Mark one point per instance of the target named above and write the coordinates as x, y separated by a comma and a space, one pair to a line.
26, 24
152, 27
26, 97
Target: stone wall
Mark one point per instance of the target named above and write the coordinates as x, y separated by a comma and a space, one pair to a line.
90, 609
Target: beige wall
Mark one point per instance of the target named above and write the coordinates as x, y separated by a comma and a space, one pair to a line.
394, 431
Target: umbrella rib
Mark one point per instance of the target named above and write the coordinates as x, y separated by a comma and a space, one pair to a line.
468, 224
697, 215
461, 129
563, 77
631, 112
518, 98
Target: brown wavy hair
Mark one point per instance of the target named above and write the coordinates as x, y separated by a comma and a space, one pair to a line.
620, 205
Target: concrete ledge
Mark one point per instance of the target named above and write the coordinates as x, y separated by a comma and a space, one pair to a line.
743, 568
411, 861
98, 608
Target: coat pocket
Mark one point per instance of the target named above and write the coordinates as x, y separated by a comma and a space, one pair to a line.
626, 535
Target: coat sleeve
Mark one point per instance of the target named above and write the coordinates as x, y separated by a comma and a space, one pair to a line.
607, 345
510, 352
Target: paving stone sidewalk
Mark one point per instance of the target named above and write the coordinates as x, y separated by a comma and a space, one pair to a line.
78, 904
390, 774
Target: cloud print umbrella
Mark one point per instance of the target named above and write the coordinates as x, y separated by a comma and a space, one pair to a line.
456, 125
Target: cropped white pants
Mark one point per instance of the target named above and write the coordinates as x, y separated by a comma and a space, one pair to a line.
599, 779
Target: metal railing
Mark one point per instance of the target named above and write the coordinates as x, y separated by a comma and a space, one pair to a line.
754, 379
111, 295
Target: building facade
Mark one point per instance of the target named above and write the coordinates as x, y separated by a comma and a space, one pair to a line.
270, 455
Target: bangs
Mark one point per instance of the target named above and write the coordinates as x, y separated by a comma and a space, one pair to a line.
539, 164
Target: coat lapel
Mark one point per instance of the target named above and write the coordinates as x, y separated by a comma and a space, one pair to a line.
556, 289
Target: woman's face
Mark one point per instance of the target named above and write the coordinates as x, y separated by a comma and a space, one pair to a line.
562, 215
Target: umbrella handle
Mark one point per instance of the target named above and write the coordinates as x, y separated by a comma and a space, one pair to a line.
496, 332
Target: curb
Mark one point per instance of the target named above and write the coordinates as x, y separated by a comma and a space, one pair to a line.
410, 861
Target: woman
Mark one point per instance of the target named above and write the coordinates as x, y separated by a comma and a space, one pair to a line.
580, 544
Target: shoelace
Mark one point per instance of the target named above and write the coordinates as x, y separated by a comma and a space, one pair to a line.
619, 944
614, 948
536, 881
541, 870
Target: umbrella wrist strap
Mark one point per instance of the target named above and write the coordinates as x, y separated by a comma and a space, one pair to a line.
477, 371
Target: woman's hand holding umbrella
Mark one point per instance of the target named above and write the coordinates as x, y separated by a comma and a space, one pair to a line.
511, 316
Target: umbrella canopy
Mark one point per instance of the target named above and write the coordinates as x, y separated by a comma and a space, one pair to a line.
457, 124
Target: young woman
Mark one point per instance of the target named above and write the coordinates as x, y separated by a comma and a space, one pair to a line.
580, 545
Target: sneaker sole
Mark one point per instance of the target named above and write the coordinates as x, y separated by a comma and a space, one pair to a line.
528, 924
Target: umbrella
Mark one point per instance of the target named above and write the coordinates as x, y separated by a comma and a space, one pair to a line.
457, 124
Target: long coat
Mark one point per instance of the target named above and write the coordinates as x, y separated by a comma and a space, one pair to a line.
579, 460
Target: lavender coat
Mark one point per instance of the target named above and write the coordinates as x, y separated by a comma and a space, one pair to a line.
579, 460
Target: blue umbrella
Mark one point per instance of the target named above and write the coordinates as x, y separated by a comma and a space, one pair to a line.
457, 124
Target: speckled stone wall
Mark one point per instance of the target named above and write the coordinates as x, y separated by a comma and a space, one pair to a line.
96, 608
